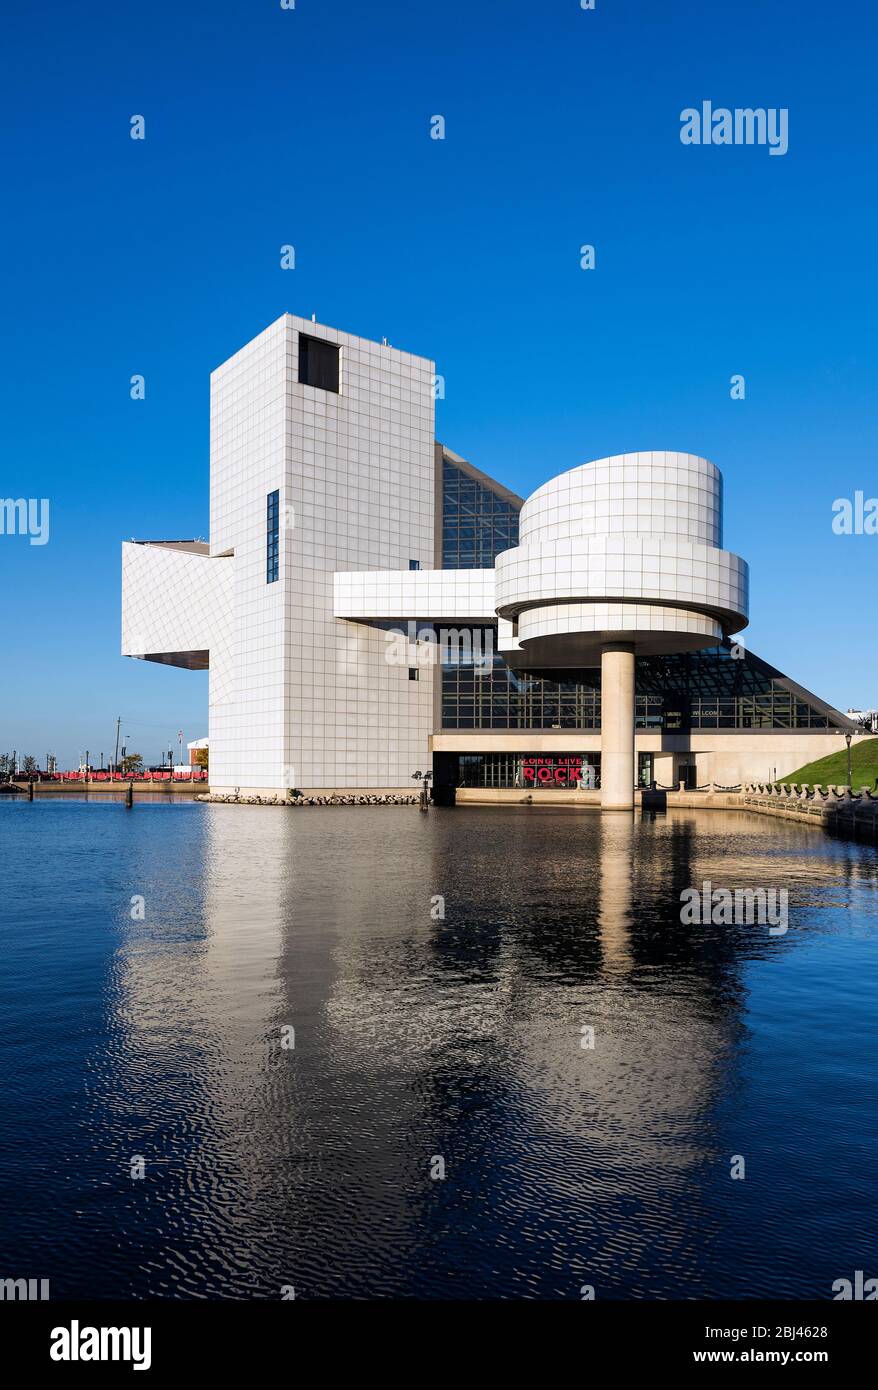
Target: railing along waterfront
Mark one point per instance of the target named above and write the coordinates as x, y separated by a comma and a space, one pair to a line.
122, 778
837, 808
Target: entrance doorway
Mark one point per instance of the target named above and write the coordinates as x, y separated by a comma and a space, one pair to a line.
687, 773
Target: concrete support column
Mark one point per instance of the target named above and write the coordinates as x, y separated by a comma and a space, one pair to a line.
617, 727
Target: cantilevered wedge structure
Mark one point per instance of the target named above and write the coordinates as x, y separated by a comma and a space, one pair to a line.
369, 601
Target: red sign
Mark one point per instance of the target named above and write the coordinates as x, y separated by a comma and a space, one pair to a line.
552, 772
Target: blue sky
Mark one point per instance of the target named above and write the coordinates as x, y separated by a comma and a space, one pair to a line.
266, 126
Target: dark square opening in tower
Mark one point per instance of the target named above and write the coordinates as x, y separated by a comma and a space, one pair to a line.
318, 363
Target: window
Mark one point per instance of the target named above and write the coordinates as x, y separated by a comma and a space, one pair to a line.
553, 771
414, 673
476, 523
272, 538
318, 363
414, 564
490, 695
707, 689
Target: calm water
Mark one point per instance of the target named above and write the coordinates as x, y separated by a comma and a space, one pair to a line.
417, 1037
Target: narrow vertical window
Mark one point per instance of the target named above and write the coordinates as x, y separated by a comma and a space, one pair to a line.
272, 538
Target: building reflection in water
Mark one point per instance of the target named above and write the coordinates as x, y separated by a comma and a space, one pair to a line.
438, 972
616, 878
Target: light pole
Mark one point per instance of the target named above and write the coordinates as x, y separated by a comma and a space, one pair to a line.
424, 778
847, 739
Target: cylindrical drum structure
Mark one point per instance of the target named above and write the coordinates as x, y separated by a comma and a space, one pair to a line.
619, 558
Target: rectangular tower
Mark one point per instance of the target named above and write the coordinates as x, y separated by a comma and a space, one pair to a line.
321, 459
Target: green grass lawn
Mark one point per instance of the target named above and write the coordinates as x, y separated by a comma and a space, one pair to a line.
833, 771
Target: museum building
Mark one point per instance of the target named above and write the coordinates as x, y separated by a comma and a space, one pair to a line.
370, 605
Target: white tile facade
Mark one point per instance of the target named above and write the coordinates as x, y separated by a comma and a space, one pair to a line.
652, 494
316, 703
624, 548
304, 692
633, 567
617, 620
177, 603
441, 595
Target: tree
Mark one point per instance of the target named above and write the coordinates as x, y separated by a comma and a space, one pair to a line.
201, 757
132, 764
29, 766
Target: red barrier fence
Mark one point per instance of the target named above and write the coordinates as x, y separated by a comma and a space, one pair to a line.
197, 774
